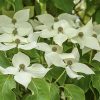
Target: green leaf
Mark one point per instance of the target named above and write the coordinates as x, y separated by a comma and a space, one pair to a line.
33, 54
6, 85
81, 82
73, 92
51, 9
4, 62
8, 13
39, 89
18, 5
96, 82
28, 2
37, 8
58, 74
2, 2
95, 64
65, 5
29, 97
54, 92
97, 17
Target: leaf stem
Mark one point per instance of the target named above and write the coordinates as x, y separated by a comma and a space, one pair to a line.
59, 76
91, 53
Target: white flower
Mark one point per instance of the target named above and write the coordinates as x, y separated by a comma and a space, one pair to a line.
61, 32
51, 54
97, 56
10, 41
73, 65
84, 37
17, 23
23, 71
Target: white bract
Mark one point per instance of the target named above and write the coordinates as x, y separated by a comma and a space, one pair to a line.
73, 66
97, 31
81, 4
23, 71
48, 20
51, 54
97, 56
19, 23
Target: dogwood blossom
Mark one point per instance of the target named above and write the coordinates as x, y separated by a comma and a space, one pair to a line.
84, 37
10, 41
61, 32
22, 70
18, 24
73, 66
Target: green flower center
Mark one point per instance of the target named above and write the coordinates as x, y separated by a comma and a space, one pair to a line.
22, 67
60, 29
17, 41
94, 35
80, 34
69, 62
54, 49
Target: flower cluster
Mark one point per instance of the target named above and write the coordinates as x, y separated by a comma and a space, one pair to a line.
21, 32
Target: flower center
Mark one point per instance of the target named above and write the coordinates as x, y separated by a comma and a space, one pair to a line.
21, 67
56, 19
54, 49
13, 21
94, 35
80, 34
17, 41
15, 31
60, 29
69, 62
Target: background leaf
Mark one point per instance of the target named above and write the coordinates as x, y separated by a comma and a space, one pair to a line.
6, 85
4, 62
65, 5
96, 82
18, 5
54, 92
73, 92
40, 89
